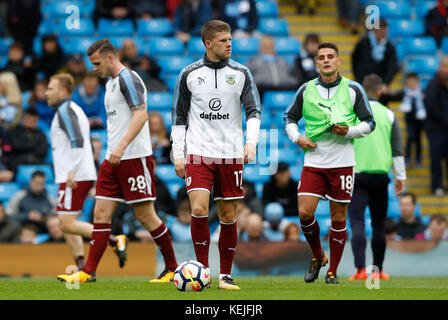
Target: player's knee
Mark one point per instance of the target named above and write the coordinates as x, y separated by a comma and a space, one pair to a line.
199, 210
101, 215
305, 214
64, 225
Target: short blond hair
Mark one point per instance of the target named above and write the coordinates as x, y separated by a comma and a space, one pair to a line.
65, 81
212, 27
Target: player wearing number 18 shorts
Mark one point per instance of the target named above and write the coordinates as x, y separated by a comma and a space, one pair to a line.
330, 106
208, 97
126, 175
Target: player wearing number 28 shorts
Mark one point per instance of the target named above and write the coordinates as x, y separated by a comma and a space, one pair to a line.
332, 106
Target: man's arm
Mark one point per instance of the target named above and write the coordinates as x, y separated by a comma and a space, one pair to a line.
250, 99
363, 112
133, 90
181, 107
398, 163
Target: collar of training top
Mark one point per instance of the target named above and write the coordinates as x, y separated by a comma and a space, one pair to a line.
57, 105
329, 85
215, 65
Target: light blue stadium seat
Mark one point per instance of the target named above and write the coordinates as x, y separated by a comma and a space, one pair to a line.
115, 28
246, 46
63, 9
3, 62
266, 120
77, 45
406, 28
287, 46
322, 209
160, 101
174, 187
277, 100
399, 49
173, 65
324, 225
259, 189
7, 190
86, 29
25, 171
166, 173
170, 82
195, 47
277, 119
165, 46
288, 155
5, 43
267, 9
393, 210
420, 45
394, 9
253, 173
427, 64
157, 27
100, 134
444, 45
274, 26
167, 119
296, 171
52, 189
421, 8
118, 42
49, 26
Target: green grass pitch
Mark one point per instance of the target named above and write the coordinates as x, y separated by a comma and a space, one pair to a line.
256, 288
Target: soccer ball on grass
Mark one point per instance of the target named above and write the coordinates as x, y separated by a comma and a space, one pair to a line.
191, 276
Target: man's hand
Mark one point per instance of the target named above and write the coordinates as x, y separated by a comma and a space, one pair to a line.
71, 181
179, 167
399, 187
250, 151
116, 155
306, 143
339, 130
35, 215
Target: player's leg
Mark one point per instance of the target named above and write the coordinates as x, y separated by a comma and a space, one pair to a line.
356, 210
379, 198
76, 246
200, 232
103, 212
146, 214
341, 182
228, 240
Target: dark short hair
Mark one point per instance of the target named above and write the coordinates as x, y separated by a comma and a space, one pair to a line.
372, 83
409, 194
411, 75
31, 112
438, 218
102, 46
38, 173
212, 27
314, 37
330, 45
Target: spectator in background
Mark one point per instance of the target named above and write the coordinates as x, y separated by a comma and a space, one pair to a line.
409, 225
250, 198
307, 4
171, 6
241, 15
254, 230
23, 21
292, 232
375, 54
391, 230
20, 65
189, 18
243, 213
349, 12
28, 234
436, 124
33, 204
146, 67
160, 139
97, 146
149, 9
76, 67
271, 71
274, 222
282, 188
38, 101
114, 9
89, 95
435, 231
413, 107
10, 100
6, 175
29, 144
52, 58
305, 63
54, 230
179, 225
9, 227
164, 203
436, 21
